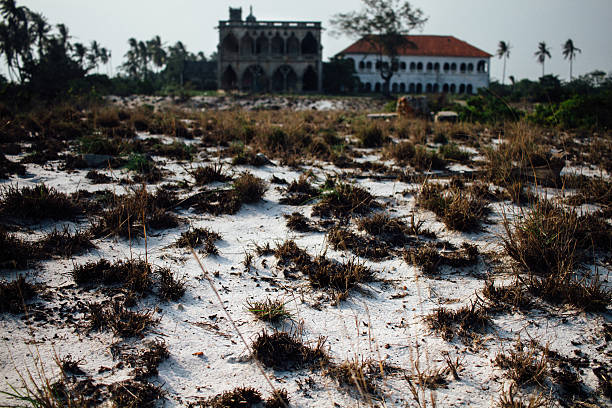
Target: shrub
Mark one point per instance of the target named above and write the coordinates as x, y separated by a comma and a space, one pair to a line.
248, 188
37, 203
371, 135
283, 351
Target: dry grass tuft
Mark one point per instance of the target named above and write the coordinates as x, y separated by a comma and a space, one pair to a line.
510, 399
14, 295
209, 174
133, 393
37, 203
116, 317
463, 321
239, 397
15, 253
134, 275
63, 243
344, 200
170, 288
524, 364
248, 188
300, 191
199, 237
389, 230
344, 239
298, 222
284, 351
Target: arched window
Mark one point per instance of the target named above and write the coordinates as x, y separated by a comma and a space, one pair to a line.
453, 88
462, 67
420, 66
230, 44
277, 45
310, 80
247, 45
469, 89
377, 87
361, 65
436, 88
428, 88
403, 66
369, 65
462, 88
453, 67
412, 66
378, 65
411, 88
368, 87
254, 79
261, 46
310, 45
445, 88
419, 88
229, 80
446, 67
293, 45
482, 66
437, 67
429, 66
394, 87
402, 87
470, 67
284, 79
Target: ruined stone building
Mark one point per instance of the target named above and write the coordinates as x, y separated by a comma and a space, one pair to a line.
269, 56
426, 64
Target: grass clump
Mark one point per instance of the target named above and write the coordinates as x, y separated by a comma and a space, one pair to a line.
283, 351
549, 243
325, 273
401, 152
239, 397
460, 211
147, 360
248, 188
127, 215
134, 393
269, 310
344, 239
208, 174
464, 321
300, 191
452, 152
513, 295
15, 253
37, 203
357, 374
118, 318
170, 288
344, 200
9, 167
199, 237
425, 159
132, 274
429, 257
388, 229
14, 294
63, 243
510, 399
524, 364
298, 222
371, 135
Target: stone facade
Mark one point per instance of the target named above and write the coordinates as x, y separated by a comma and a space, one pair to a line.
269, 56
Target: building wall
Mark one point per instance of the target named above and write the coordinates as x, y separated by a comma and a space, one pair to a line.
407, 80
270, 56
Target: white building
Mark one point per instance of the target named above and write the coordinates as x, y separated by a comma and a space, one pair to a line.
427, 63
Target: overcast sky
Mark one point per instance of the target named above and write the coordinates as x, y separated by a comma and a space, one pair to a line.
482, 23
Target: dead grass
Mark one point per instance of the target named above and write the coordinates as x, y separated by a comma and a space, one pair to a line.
134, 275
37, 203
170, 287
118, 318
510, 399
9, 167
464, 321
239, 397
343, 239
513, 295
300, 191
208, 174
147, 360
389, 230
127, 215
524, 364
429, 257
15, 253
133, 393
199, 237
298, 222
64, 243
357, 374
285, 351
344, 200
248, 188
15, 294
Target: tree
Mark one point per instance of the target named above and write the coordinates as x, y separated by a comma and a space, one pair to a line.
384, 24
503, 51
569, 52
157, 52
541, 54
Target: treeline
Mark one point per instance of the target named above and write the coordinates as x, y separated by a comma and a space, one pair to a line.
584, 102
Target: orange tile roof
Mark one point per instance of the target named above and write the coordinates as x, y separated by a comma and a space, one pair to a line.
424, 45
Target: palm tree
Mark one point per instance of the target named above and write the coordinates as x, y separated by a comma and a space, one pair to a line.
64, 36
503, 51
94, 55
15, 37
156, 51
541, 54
80, 51
569, 52
40, 29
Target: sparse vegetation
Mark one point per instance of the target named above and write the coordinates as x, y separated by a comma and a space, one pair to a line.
37, 203
199, 237
282, 351
269, 310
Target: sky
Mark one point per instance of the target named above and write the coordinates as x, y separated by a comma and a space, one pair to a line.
482, 23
